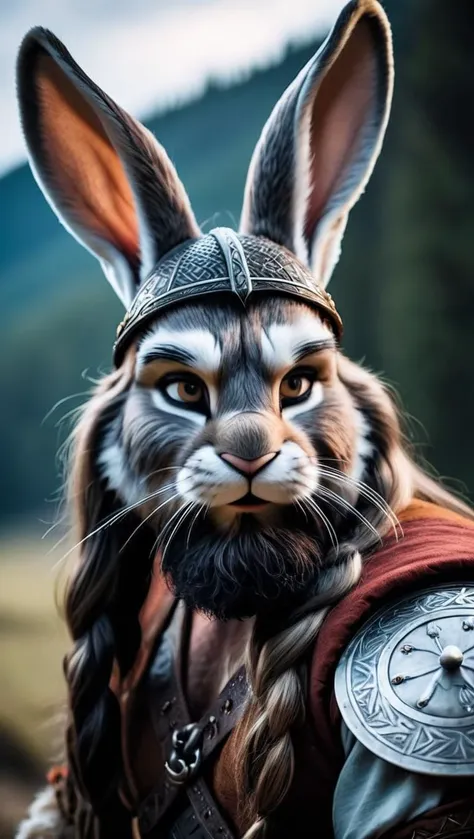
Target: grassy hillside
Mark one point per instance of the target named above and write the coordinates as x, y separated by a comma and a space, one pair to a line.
32, 644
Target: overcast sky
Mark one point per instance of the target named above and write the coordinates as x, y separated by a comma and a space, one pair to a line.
146, 53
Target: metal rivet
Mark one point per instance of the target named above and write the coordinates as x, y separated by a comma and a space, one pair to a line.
227, 706
406, 649
208, 814
397, 680
212, 727
451, 657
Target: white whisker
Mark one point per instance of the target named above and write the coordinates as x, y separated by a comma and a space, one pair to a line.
55, 524
150, 515
366, 491
189, 506
170, 521
328, 493
300, 506
200, 509
309, 501
109, 521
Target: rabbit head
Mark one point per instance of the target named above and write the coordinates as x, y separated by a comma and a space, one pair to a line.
234, 421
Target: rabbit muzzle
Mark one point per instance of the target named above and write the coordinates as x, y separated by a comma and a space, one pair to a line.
252, 459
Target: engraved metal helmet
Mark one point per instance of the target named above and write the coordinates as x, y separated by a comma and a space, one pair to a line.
222, 262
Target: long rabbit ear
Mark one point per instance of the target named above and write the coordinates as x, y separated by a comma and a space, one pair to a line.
320, 144
108, 180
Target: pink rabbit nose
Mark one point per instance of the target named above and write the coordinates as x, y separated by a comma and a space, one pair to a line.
248, 467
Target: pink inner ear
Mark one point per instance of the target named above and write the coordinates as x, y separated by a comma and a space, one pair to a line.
340, 109
84, 169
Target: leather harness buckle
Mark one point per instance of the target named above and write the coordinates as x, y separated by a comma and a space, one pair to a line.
185, 758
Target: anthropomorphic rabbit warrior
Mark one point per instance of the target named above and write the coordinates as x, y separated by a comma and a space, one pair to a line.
272, 612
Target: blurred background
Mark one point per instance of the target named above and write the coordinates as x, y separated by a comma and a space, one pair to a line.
204, 75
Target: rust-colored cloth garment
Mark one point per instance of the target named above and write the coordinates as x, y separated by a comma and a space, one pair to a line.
436, 545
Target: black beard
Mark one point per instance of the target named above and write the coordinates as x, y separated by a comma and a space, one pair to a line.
246, 572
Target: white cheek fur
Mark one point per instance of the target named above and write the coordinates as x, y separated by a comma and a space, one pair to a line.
162, 404
114, 470
290, 476
200, 343
364, 448
280, 342
207, 479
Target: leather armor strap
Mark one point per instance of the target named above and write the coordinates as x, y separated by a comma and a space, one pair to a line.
186, 826
170, 717
456, 822
206, 811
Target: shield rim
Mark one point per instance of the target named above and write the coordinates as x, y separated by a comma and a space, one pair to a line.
350, 710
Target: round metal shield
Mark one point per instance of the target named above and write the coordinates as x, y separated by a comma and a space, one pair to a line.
405, 684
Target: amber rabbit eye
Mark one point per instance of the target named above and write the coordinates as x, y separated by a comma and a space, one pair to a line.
186, 390
295, 386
